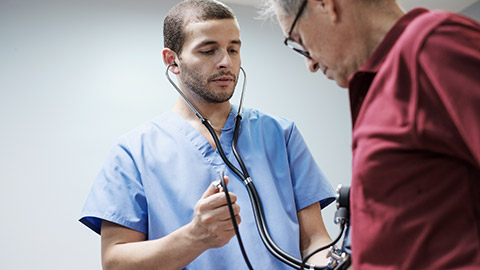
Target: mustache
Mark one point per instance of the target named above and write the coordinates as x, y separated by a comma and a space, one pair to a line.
223, 73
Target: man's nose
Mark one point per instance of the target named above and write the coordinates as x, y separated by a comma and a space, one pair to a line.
225, 61
312, 65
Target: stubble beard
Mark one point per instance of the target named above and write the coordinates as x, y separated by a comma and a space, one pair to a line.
198, 85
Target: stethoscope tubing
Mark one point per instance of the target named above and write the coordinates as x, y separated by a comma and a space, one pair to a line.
258, 212
234, 222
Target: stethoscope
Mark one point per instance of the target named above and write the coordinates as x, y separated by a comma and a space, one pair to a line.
252, 191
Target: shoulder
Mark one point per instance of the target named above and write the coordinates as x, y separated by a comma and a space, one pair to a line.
433, 40
266, 120
157, 127
435, 26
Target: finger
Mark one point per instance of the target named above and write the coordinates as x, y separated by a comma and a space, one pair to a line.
238, 218
212, 189
227, 225
226, 179
219, 185
220, 199
233, 197
225, 215
228, 222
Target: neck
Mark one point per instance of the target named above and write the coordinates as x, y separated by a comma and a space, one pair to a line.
379, 23
215, 113
371, 21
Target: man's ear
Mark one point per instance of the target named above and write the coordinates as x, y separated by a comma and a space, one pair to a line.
327, 7
169, 57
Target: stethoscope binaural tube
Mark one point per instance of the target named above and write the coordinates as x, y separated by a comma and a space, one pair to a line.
252, 191
191, 105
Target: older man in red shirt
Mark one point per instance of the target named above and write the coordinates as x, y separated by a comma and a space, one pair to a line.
414, 85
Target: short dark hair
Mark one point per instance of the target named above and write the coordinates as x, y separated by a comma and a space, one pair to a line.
188, 11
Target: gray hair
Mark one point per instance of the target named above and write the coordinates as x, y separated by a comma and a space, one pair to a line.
287, 7
291, 7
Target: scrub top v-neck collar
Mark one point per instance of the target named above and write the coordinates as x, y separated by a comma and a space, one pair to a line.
201, 143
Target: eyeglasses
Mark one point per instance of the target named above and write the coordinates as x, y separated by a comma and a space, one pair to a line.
290, 42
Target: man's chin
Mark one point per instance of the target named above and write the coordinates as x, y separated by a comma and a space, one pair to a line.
342, 82
221, 98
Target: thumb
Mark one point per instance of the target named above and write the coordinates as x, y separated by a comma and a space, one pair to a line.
221, 187
226, 179
214, 187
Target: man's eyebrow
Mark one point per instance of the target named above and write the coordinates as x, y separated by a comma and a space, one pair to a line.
210, 42
205, 43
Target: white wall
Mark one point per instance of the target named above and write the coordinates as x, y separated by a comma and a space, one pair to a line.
74, 75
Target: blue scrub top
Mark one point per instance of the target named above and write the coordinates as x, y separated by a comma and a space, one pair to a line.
154, 176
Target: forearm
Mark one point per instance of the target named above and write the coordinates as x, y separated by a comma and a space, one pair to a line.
211, 227
313, 234
319, 258
173, 251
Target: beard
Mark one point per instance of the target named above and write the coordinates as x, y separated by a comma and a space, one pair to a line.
198, 85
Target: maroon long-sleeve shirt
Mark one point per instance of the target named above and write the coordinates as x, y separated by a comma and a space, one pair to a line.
415, 104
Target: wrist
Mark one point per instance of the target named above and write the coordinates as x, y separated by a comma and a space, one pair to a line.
193, 239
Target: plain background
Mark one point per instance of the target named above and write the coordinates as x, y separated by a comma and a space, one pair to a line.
75, 75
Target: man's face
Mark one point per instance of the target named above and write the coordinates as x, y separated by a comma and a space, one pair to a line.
324, 40
210, 59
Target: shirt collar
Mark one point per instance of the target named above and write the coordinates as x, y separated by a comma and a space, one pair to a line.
375, 61
230, 123
360, 81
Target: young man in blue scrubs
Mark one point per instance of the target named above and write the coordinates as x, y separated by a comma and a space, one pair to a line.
154, 203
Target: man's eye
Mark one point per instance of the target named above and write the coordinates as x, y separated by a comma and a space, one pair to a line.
233, 51
208, 52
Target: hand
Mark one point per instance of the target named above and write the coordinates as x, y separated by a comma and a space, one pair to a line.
211, 224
